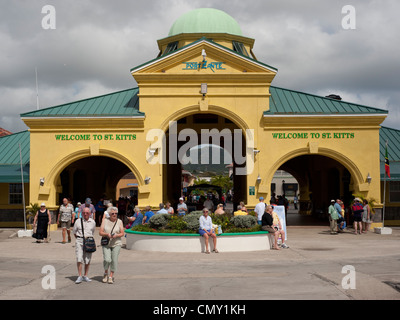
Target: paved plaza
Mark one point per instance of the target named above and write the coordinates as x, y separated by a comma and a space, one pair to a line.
310, 269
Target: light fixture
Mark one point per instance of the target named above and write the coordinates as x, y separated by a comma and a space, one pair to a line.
203, 89
256, 151
369, 178
204, 54
41, 181
152, 151
147, 180
258, 179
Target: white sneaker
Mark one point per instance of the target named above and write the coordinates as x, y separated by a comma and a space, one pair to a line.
86, 279
284, 245
79, 280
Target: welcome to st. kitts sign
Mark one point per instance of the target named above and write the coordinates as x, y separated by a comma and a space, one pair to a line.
203, 65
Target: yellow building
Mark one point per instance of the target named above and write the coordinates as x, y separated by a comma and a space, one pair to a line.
205, 82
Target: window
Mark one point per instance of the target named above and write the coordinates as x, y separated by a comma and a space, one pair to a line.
239, 48
171, 47
15, 193
394, 193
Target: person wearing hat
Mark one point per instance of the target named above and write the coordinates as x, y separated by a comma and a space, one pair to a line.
41, 222
260, 209
333, 217
88, 204
358, 210
181, 208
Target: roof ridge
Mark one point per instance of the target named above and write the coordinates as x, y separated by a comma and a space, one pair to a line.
14, 134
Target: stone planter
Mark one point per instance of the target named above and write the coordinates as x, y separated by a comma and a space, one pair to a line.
180, 242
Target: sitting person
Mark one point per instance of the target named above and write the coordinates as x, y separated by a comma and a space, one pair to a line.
147, 215
270, 222
136, 219
162, 210
244, 209
220, 209
240, 211
206, 230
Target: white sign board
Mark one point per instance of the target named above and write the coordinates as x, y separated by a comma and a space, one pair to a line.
280, 211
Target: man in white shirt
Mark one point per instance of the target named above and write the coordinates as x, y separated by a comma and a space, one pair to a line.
89, 227
260, 209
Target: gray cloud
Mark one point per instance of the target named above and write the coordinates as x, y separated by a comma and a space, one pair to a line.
96, 43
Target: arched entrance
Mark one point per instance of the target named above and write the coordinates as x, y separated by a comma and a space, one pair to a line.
94, 177
320, 179
219, 137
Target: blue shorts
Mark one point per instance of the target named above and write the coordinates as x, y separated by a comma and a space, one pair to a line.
202, 232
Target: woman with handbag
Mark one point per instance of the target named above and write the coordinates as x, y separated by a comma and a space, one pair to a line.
111, 231
84, 245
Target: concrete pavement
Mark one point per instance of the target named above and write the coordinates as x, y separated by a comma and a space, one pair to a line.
310, 269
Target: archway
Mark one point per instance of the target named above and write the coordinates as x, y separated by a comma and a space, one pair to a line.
94, 177
320, 179
220, 136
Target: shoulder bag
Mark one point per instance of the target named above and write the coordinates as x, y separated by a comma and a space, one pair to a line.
89, 244
105, 240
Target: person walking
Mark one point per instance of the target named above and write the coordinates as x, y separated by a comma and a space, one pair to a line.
333, 216
42, 221
112, 230
358, 210
88, 204
67, 217
366, 217
83, 257
260, 209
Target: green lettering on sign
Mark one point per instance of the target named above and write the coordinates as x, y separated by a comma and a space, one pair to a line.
312, 135
94, 136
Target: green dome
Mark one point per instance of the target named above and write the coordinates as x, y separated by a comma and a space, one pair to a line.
206, 20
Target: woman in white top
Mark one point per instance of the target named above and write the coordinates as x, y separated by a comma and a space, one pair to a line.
207, 231
113, 229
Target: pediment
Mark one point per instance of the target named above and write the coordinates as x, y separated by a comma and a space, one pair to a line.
189, 62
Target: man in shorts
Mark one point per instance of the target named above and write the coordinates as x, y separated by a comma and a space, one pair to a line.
66, 215
83, 257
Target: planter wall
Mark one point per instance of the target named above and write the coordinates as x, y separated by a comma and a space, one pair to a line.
177, 242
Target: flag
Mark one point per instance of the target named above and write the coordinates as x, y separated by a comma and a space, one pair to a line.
387, 166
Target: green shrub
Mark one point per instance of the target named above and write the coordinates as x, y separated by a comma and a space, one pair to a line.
223, 220
159, 221
177, 223
244, 221
192, 220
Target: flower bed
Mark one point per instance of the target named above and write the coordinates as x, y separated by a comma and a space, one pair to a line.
168, 233
166, 223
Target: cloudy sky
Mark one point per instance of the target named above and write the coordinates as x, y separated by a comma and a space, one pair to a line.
96, 42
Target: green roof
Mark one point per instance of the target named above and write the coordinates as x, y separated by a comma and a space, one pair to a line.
10, 167
205, 20
9, 148
122, 103
392, 136
291, 102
